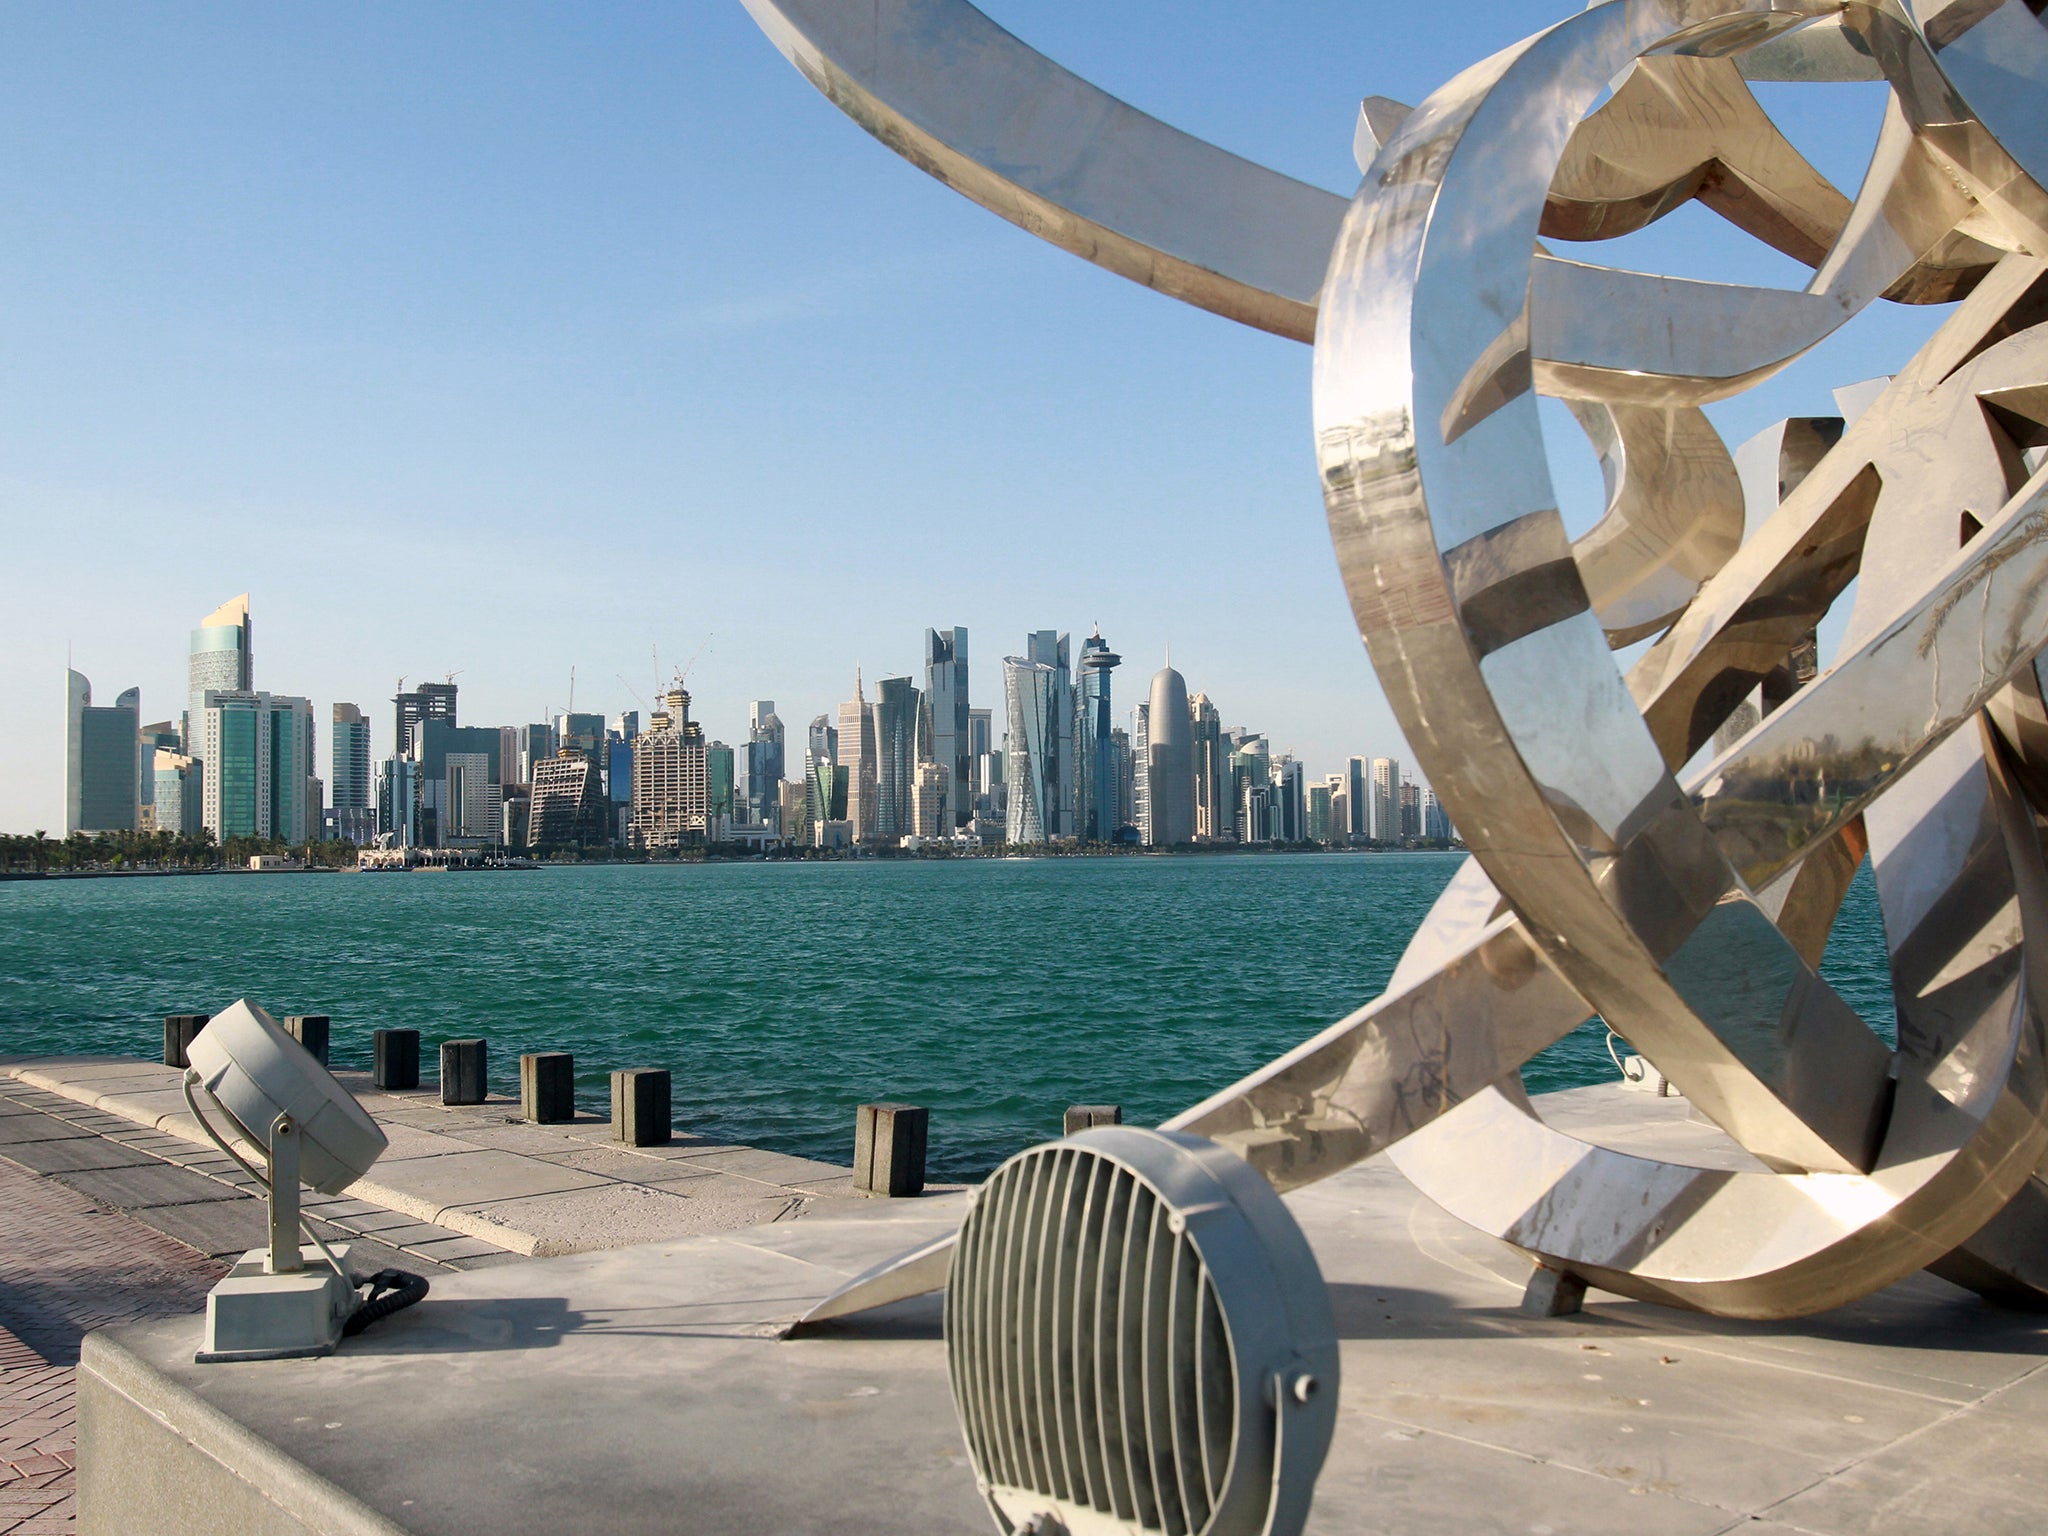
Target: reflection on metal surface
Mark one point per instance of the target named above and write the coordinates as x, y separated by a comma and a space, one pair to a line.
1650, 846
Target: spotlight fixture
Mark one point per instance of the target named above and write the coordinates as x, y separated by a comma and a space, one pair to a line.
1140, 1341
285, 1300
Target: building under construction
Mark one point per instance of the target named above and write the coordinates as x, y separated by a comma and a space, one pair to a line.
671, 798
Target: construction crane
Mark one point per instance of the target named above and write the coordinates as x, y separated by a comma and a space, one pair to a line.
629, 688
451, 676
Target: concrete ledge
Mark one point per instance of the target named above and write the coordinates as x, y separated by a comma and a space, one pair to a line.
644, 1390
161, 1448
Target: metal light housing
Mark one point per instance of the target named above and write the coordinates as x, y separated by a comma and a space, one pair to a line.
256, 1072
1140, 1340
287, 1299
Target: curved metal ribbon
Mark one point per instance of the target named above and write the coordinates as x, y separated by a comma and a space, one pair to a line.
1689, 914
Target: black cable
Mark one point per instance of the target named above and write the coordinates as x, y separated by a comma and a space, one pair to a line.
391, 1290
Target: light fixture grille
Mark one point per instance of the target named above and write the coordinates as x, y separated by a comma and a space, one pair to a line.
1090, 1355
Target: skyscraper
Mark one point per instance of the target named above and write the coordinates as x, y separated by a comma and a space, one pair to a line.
102, 747
1169, 762
1095, 798
471, 804
295, 793
1032, 695
671, 786
579, 733
220, 659
429, 701
1141, 776
1290, 806
257, 752
232, 733
945, 692
350, 788
857, 757
178, 793
764, 764
1358, 798
567, 807
1215, 797
1386, 800
821, 763
897, 710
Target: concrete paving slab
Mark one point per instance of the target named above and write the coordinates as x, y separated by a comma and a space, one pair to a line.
142, 1106
139, 1188
446, 1249
408, 1143
427, 1186
224, 1229
73, 1153
615, 1216
22, 1128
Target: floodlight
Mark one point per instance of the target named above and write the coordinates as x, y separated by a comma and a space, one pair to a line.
1140, 1342
284, 1300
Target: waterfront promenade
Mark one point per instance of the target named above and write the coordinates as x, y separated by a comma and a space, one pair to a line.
647, 1390
114, 1208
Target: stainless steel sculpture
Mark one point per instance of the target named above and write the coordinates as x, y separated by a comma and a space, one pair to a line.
1626, 863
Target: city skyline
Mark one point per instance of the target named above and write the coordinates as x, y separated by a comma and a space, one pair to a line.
244, 762
367, 312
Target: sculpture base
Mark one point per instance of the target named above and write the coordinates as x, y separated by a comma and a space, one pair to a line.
645, 1390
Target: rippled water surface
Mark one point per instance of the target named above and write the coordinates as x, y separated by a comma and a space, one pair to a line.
780, 995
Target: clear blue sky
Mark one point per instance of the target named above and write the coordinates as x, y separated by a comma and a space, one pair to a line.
506, 338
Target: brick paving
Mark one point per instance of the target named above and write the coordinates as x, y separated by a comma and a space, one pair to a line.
68, 1265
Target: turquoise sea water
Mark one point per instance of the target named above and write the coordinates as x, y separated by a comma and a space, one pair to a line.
780, 995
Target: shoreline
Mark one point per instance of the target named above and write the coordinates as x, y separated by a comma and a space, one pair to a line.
737, 856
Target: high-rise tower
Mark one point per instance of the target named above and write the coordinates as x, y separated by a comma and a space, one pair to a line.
945, 699
1169, 767
102, 760
1095, 797
221, 659
857, 757
897, 710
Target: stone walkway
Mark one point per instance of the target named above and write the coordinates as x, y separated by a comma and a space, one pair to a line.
479, 1173
68, 1265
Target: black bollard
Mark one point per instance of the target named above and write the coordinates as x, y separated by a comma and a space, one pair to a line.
397, 1058
179, 1030
640, 1106
547, 1087
310, 1030
888, 1150
465, 1072
1081, 1116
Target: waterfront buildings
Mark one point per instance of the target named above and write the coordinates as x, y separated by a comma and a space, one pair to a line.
351, 790
220, 658
897, 709
411, 711
1215, 793
1095, 782
763, 765
1386, 800
102, 748
952, 743
178, 794
857, 757
671, 801
1169, 763
910, 763
1141, 773
1038, 757
257, 755
566, 808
